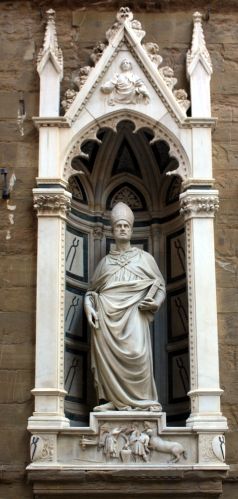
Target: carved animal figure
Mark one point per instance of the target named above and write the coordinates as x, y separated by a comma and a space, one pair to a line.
161, 445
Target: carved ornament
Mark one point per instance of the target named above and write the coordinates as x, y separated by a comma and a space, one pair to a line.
97, 52
124, 16
42, 448
200, 206
98, 233
52, 203
211, 449
152, 50
167, 74
127, 196
133, 442
182, 99
69, 98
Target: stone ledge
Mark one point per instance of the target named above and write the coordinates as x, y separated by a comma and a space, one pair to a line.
127, 483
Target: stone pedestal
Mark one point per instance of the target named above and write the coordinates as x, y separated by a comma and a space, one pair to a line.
124, 453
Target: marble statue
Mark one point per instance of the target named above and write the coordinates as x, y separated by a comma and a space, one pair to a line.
125, 87
126, 290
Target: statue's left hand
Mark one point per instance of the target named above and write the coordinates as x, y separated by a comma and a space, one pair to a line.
148, 304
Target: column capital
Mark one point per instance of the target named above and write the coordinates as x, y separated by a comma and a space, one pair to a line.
51, 202
199, 203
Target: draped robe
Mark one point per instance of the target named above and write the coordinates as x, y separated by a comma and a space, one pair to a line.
121, 353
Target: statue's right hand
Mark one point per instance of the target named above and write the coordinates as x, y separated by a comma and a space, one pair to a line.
92, 316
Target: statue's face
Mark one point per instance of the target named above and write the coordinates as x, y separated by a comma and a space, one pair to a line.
125, 65
122, 231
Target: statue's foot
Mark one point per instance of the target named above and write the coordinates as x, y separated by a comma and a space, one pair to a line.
109, 406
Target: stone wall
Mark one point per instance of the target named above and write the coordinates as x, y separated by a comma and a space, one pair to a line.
79, 28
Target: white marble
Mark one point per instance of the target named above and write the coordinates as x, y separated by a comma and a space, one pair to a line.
189, 140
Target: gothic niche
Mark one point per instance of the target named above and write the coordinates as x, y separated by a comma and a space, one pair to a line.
130, 166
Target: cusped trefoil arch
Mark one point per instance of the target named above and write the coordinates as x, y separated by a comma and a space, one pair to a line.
111, 121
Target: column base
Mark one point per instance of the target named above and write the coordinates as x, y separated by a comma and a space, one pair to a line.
213, 422
47, 421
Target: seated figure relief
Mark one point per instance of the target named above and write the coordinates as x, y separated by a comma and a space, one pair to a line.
126, 87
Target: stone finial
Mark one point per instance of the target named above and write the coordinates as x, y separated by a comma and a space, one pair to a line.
125, 18
50, 46
124, 14
198, 48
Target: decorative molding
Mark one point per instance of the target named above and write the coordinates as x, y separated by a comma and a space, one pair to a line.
191, 323
51, 202
197, 205
51, 181
54, 121
198, 49
50, 49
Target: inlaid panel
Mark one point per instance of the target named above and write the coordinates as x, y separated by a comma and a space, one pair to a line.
176, 263
75, 319
75, 375
177, 314
76, 254
178, 375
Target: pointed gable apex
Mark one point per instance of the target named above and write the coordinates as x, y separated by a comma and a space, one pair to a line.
128, 32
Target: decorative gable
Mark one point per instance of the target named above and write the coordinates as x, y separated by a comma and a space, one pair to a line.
126, 73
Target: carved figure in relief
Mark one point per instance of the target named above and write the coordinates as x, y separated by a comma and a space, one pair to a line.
138, 443
167, 74
69, 97
167, 446
126, 290
109, 442
182, 97
126, 87
152, 50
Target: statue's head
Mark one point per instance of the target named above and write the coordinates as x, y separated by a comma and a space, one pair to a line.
125, 65
121, 211
122, 220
